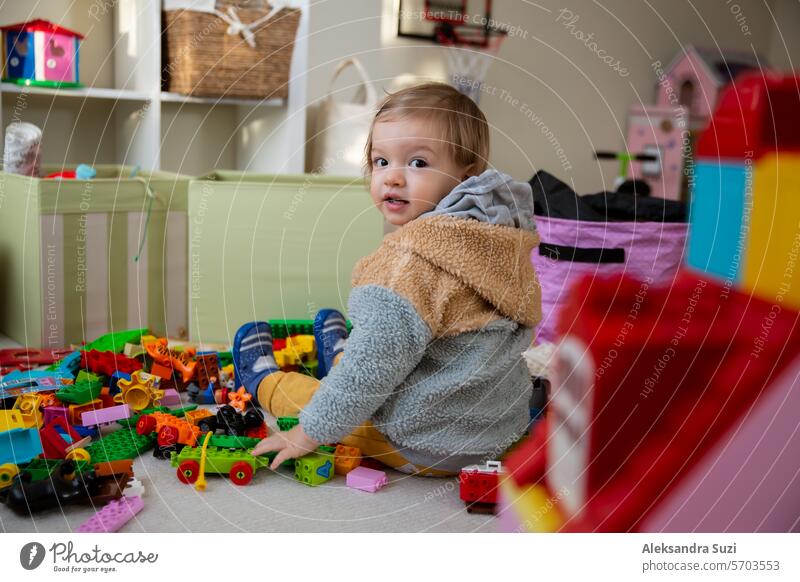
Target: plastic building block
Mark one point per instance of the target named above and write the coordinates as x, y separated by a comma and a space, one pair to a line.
76, 453
29, 407
207, 367
64, 486
365, 479
133, 350
113, 516
238, 464
54, 443
122, 444
69, 365
11, 419
7, 473
116, 341
478, 485
139, 392
30, 357
287, 422
240, 399
195, 416
117, 467
233, 442
107, 363
171, 398
314, 469
12, 388
346, 459
75, 411
87, 376
169, 360
113, 387
170, 429
39, 469
283, 328
80, 392
257, 432
19, 445
30, 375
134, 488
105, 415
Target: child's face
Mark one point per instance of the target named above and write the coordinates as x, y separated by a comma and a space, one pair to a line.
412, 169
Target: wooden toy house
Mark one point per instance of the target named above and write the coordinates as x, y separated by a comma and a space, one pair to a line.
40, 53
686, 96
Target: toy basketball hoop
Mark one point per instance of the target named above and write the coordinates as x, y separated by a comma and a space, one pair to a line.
472, 42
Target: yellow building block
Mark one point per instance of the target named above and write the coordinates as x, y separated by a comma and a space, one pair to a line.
29, 406
772, 262
535, 509
10, 419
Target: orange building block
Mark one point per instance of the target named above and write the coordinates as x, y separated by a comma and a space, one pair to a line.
346, 459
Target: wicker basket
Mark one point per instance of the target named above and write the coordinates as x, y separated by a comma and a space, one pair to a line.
202, 59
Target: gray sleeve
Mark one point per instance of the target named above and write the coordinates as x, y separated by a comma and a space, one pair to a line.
388, 341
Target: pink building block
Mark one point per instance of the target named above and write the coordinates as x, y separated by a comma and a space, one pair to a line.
105, 415
171, 398
366, 479
113, 516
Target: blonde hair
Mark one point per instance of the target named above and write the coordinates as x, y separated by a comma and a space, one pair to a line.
465, 131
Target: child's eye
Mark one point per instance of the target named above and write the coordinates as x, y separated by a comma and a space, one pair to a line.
380, 162
418, 163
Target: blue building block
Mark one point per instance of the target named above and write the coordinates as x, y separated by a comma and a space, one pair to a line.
716, 234
19, 445
112, 382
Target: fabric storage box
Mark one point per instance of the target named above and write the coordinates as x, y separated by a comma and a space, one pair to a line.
234, 51
68, 249
600, 234
267, 247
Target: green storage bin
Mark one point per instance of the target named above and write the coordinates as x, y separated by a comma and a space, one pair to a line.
273, 247
67, 250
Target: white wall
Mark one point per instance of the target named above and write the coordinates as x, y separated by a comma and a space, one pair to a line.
552, 73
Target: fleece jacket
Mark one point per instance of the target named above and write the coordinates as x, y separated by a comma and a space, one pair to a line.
441, 314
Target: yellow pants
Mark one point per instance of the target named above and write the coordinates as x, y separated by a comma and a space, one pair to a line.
286, 393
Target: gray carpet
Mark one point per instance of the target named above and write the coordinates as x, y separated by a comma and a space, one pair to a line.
274, 502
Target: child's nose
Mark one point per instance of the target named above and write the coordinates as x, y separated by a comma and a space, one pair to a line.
394, 177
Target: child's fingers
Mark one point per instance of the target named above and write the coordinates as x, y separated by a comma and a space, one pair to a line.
269, 444
282, 456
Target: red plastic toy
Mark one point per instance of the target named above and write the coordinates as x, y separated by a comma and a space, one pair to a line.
107, 363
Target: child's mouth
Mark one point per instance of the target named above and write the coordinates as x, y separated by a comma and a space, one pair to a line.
394, 203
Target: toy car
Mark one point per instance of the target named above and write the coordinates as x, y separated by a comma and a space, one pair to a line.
231, 421
238, 464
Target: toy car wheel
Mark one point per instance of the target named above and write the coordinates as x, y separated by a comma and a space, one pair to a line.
78, 455
168, 435
7, 474
146, 424
241, 473
188, 471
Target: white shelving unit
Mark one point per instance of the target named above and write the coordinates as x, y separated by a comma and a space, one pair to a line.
135, 122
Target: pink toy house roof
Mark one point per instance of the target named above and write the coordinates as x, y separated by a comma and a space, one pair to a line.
41, 26
721, 66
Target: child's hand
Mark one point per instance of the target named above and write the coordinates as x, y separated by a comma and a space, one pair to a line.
289, 444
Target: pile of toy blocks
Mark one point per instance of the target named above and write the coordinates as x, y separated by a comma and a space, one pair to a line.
72, 421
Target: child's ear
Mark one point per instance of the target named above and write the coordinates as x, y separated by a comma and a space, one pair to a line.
468, 171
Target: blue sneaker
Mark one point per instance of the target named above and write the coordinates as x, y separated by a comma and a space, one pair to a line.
330, 333
252, 355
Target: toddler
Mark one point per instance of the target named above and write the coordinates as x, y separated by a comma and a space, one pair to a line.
431, 378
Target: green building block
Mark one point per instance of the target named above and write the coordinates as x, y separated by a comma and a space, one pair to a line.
86, 376
232, 442
219, 460
181, 412
314, 469
287, 422
224, 359
327, 449
116, 341
122, 444
40, 469
81, 392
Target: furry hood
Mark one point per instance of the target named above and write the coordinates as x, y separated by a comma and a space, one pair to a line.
491, 260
